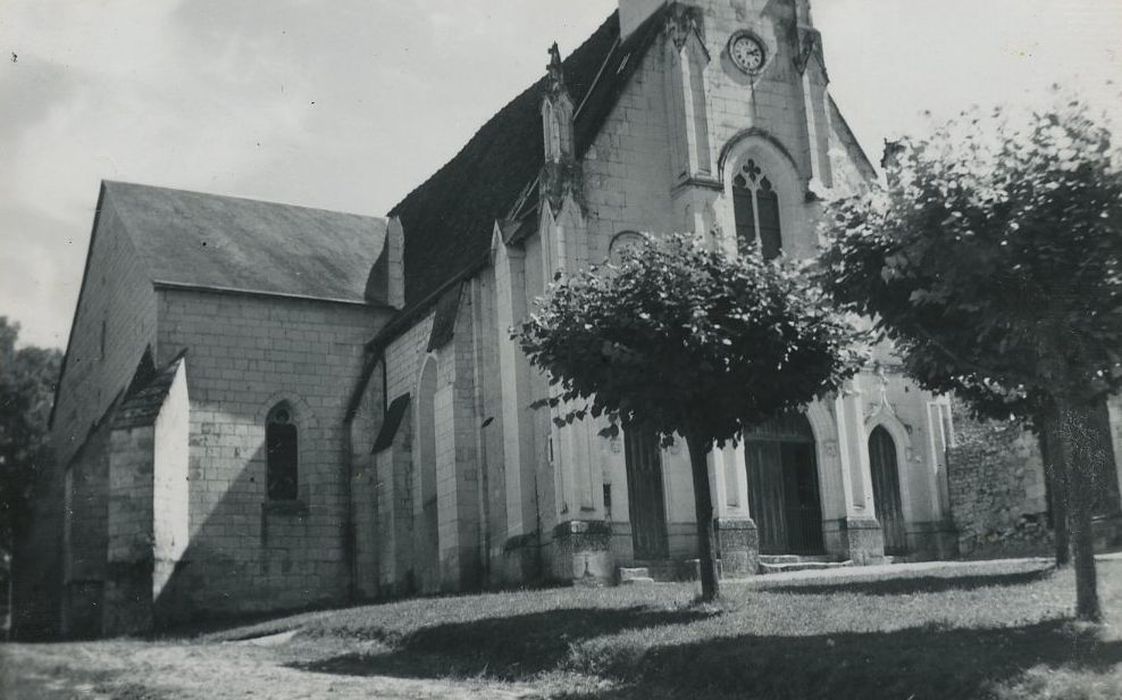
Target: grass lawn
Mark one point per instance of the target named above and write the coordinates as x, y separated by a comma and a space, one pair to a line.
981, 630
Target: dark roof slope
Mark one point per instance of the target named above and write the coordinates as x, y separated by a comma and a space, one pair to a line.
449, 219
146, 394
394, 415
228, 243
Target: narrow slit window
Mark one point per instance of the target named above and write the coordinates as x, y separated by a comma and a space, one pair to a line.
281, 450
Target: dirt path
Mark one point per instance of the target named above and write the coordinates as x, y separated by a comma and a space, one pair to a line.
207, 671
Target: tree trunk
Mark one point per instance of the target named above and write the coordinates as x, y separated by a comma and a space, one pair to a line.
703, 504
1081, 447
1056, 471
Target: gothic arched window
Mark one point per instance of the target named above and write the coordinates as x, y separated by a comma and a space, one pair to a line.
281, 454
756, 209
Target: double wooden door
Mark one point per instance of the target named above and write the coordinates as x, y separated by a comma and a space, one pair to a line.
783, 492
645, 497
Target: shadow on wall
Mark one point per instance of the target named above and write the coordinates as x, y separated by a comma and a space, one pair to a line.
252, 556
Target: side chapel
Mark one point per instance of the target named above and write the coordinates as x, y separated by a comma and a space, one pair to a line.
267, 407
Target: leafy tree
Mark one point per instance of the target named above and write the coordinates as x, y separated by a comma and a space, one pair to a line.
27, 379
689, 341
993, 260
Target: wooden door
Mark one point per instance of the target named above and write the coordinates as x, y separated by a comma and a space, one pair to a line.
886, 491
766, 494
646, 500
783, 490
804, 507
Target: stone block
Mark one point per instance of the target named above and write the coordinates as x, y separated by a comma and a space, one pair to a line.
582, 552
863, 540
738, 546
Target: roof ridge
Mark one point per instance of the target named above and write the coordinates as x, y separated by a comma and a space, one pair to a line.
240, 198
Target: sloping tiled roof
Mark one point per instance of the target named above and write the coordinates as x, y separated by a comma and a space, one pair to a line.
449, 220
146, 393
228, 243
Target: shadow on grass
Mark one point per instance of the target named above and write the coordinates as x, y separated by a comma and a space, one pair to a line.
510, 648
918, 663
909, 586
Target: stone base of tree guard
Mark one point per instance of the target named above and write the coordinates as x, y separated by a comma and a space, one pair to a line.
738, 546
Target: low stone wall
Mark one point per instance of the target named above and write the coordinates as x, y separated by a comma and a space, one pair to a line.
998, 498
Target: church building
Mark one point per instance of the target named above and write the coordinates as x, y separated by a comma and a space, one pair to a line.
269, 407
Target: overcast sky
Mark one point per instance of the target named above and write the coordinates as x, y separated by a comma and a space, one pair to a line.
349, 104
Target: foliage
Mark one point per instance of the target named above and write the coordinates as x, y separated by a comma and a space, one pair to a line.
993, 260
688, 340
27, 379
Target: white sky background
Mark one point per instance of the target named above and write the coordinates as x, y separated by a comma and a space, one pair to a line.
349, 104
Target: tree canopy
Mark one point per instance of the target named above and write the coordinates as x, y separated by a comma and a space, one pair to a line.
993, 258
993, 261
27, 380
688, 340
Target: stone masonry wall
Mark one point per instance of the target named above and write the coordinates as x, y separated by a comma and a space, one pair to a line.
397, 498
114, 323
996, 486
246, 354
86, 536
365, 488
128, 590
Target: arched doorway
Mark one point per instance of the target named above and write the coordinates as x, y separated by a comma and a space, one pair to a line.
428, 532
783, 486
886, 490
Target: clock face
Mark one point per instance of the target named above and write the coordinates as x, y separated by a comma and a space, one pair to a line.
747, 53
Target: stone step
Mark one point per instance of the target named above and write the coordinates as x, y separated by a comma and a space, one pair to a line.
802, 566
779, 559
628, 574
636, 581
661, 570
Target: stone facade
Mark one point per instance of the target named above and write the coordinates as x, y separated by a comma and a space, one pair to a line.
246, 355
422, 464
554, 502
